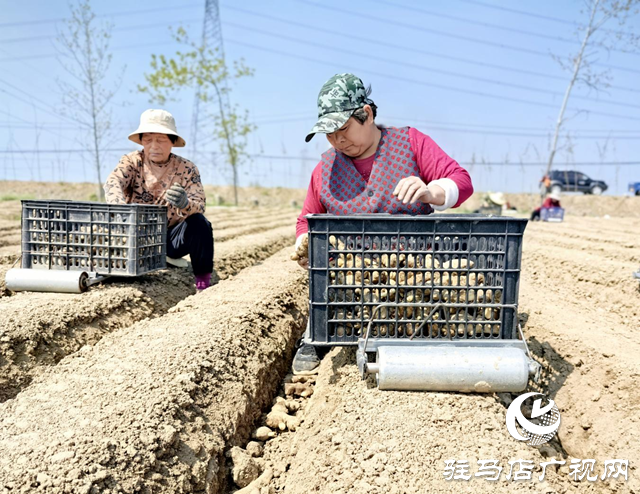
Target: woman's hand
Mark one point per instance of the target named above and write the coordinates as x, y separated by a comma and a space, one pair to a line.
412, 189
177, 196
301, 253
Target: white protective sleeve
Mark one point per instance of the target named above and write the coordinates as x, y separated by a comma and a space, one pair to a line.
451, 193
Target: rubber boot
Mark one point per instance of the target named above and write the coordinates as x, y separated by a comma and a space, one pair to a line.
305, 361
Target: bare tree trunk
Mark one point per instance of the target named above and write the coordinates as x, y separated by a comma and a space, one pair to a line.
94, 121
235, 181
100, 194
230, 148
96, 147
576, 71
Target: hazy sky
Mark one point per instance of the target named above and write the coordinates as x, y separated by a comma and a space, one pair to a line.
478, 76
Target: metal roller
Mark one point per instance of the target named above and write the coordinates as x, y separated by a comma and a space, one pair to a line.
37, 280
451, 368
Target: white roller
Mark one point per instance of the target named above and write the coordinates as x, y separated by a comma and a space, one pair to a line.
450, 368
40, 280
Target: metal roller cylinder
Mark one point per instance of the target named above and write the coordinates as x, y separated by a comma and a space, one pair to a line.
36, 280
449, 368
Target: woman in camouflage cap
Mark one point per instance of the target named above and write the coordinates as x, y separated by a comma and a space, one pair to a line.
372, 169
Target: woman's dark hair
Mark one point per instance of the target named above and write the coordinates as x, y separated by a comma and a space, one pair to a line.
360, 115
173, 139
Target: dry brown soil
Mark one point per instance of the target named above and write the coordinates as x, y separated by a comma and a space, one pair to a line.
216, 194
581, 311
116, 391
153, 407
41, 328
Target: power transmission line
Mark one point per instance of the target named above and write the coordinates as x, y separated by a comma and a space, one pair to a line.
408, 48
54, 55
307, 158
116, 30
370, 56
113, 14
539, 16
364, 15
454, 74
333, 32
458, 128
488, 24
510, 127
53, 111
23, 120
415, 66
428, 84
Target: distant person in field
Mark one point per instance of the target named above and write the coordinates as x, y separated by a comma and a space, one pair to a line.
154, 175
371, 169
552, 201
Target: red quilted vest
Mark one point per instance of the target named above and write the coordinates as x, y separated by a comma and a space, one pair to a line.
344, 191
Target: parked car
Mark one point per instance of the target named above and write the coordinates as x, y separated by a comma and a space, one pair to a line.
571, 181
634, 188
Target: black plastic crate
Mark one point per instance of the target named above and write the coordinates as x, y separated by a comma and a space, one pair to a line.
109, 239
461, 272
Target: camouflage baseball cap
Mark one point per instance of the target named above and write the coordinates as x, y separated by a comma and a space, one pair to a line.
339, 97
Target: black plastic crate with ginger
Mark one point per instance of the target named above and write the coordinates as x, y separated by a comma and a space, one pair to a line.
108, 239
440, 276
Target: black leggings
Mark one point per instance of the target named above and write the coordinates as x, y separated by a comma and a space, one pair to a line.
197, 242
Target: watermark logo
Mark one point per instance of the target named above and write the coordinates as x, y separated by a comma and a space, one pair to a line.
540, 427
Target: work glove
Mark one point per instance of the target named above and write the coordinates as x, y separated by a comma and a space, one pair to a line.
302, 250
177, 196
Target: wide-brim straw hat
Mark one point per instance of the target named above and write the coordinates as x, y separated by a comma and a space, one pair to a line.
157, 122
555, 196
498, 198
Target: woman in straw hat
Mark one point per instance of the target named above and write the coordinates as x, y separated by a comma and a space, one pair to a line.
154, 175
371, 169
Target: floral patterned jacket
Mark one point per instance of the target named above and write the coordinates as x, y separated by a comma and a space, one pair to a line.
136, 180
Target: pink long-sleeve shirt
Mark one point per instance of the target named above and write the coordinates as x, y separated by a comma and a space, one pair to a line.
432, 162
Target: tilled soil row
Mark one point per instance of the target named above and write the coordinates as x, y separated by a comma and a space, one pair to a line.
10, 237
154, 407
39, 329
9, 254
581, 310
9, 226
9, 211
606, 283
3, 287
252, 223
356, 439
220, 223
239, 231
616, 248
579, 307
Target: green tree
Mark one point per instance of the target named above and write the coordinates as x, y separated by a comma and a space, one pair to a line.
83, 46
202, 69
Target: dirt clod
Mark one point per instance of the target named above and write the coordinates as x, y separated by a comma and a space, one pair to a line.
245, 469
254, 448
260, 485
